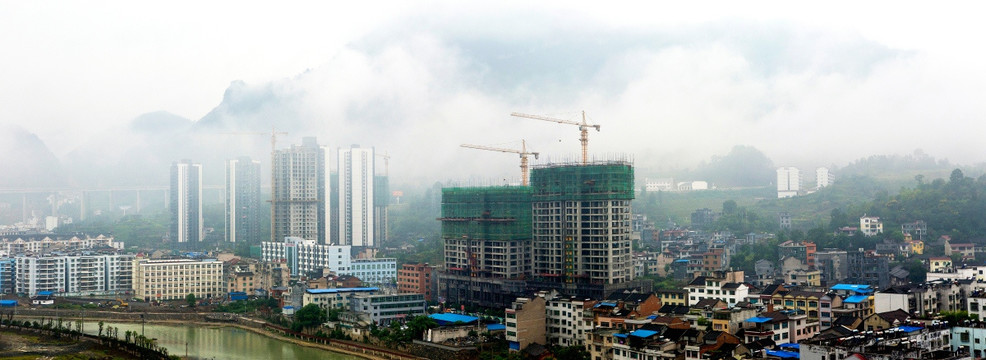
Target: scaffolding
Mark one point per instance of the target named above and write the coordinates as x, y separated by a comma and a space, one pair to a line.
609, 180
488, 213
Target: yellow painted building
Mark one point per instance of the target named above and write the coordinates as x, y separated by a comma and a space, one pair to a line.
672, 296
917, 246
806, 301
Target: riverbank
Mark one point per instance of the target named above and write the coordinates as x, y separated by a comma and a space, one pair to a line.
254, 327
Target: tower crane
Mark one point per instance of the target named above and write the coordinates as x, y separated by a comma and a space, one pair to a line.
273, 144
522, 152
386, 163
583, 127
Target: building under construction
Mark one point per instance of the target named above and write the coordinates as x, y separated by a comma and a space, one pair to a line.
569, 230
487, 233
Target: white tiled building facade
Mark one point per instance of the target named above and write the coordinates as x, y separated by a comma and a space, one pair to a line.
77, 275
175, 279
303, 256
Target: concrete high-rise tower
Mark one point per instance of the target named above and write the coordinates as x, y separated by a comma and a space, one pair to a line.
788, 182
356, 205
582, 222
300, 192
186, 202
823, 177
243, 200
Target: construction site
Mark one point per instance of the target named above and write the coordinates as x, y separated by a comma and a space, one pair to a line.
487, 234
569, 230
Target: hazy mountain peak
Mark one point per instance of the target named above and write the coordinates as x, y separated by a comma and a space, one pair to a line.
159, 121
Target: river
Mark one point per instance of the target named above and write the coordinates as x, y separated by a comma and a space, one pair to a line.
220, 342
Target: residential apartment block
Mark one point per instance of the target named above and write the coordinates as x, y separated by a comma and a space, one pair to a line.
300, 193
73, 274
375, 271
307, 256
788, 182
186, 203
339, 298
356, 183
417, 279
526, 320
385, 308
243, 201
174, 279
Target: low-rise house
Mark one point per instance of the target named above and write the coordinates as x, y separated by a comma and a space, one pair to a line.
672, 296
904, 342
886, 320
730, 320
728, 287
335, 298
526, 321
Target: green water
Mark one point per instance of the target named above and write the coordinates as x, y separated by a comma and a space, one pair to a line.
217, 342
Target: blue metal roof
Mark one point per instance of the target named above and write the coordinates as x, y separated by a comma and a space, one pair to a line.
681, 260
856, 299
495, 327
652, 317
909, 328
859, 288
43, 293
450, 318
8, 303
340, 290
610, 304
790, 346
758, 319
784, 354
643, 333
620, 335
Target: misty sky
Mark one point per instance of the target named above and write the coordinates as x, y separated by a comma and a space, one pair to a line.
672, 84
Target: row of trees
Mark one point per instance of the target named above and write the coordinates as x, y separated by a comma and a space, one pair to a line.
133, 343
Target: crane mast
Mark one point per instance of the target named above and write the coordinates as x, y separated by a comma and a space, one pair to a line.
273, 143
583, 128
522, 152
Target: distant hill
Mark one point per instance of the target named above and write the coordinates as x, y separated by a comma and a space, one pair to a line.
743, 166
27, 161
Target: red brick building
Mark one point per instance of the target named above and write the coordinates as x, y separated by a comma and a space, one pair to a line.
416, 278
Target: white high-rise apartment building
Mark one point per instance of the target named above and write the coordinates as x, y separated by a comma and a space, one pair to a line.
243, 200
300, 196
356, 196
788, 182
823, 177
186, 202
73, 275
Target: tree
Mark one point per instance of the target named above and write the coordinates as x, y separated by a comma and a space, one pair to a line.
417, 326
310, 315
570, 352
190, 299
955, 317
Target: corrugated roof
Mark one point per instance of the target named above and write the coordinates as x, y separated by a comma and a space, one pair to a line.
758, 319
340, 290
855, 299
643, 333
450, 318
784, 354
909, 329
853, 287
